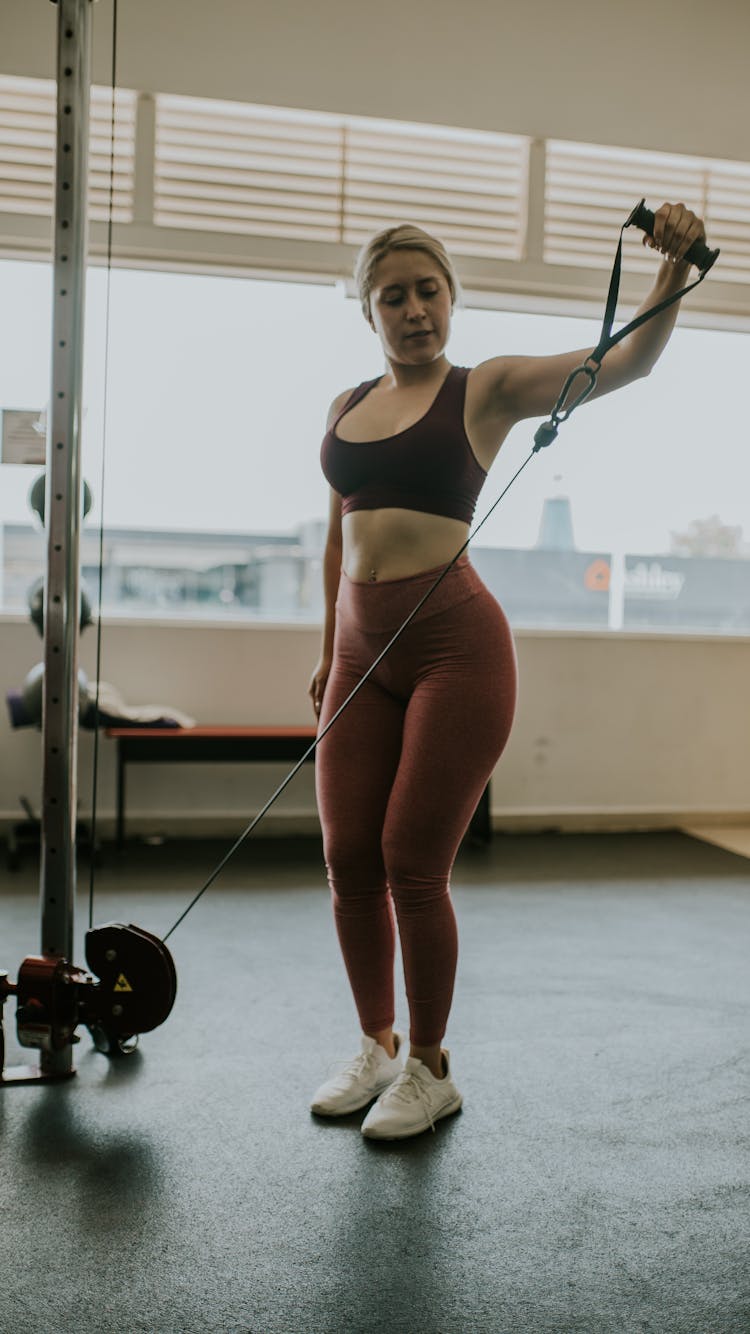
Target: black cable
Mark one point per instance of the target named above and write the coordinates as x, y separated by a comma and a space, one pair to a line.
218, 869
95, 778
545, 435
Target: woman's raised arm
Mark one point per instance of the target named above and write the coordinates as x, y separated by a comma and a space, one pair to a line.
509, 389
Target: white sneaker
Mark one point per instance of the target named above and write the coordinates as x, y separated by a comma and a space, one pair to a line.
414, 1101
360, 1081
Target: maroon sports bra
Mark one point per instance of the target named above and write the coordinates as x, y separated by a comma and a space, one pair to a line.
429, 467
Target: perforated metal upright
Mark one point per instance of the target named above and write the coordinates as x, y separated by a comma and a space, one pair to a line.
63, 500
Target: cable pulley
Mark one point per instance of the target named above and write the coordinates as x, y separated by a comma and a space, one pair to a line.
135, 992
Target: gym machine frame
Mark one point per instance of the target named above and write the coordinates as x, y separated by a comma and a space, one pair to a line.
137, 982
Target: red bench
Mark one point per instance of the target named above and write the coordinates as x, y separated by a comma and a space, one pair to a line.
213, 745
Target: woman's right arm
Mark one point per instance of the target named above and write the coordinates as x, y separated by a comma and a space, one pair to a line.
331, 576
331, 572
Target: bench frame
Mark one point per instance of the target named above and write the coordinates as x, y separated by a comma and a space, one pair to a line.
221, 745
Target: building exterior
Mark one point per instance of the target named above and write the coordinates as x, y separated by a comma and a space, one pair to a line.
278, 577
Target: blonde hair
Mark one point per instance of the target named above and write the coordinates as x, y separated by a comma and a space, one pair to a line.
404, 237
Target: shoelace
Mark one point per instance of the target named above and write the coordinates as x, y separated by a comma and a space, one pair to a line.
404, 1086
356, 1066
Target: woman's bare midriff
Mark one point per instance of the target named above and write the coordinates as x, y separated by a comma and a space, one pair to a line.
396, 543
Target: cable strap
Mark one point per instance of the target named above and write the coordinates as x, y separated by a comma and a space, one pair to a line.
607, 339
547, 432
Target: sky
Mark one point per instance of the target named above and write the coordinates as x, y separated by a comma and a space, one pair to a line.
218, 390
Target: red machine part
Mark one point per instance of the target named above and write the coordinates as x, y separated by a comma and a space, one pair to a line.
47, 997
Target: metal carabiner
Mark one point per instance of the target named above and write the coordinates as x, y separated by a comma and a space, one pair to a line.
560, 412
547, 432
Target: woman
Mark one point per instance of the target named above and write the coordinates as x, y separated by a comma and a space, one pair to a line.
401, 771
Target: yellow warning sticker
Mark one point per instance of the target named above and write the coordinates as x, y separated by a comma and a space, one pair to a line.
122, 983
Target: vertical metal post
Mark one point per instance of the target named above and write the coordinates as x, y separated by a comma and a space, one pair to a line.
63, 499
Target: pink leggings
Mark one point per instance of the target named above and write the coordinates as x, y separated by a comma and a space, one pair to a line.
400, 774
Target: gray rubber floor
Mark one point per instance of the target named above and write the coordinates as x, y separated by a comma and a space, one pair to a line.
596, 1180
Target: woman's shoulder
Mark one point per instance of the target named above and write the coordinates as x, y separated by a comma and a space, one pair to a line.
341, 400
337, 404
484, 379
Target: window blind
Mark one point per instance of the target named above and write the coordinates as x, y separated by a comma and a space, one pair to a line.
590, 190
230, 167
27, 149
206, 185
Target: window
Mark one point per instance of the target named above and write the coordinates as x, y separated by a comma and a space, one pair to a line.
590, 190
215, 503
220, 373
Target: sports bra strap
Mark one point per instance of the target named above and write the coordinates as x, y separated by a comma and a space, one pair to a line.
355, 397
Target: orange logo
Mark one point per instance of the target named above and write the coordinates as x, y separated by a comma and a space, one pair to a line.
596, 576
